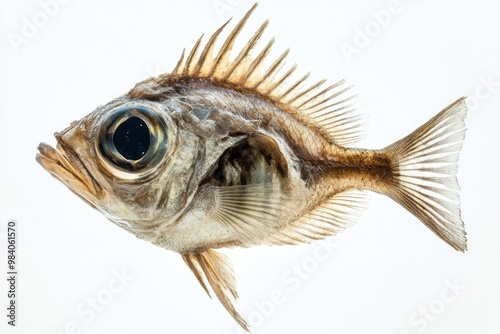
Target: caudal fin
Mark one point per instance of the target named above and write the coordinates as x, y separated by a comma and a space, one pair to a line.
424, 170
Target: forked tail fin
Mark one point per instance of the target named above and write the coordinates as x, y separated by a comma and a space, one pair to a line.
424, 166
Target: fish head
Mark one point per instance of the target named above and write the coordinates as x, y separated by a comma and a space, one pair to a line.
140, 161
116, 158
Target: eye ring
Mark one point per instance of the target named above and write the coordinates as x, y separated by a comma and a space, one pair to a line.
143, 139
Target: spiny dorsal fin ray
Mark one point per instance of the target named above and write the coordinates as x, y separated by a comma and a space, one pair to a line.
244, 54
276, 83
203, 66
178, 67
329, 218
215, 268
222, 59
192, 55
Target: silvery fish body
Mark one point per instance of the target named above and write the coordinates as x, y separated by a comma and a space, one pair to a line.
222, 152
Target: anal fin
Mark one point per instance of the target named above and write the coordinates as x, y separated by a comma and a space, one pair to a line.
329, 218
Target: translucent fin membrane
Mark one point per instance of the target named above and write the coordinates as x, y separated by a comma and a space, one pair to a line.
425, 173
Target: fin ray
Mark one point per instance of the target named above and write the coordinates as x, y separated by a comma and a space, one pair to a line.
191, 59
244, 53
425, 173
215, 268
330, 218
246, 73
252, 212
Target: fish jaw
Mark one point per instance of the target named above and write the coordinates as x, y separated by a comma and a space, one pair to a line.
65, 165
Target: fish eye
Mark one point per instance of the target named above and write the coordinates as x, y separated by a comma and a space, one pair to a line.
133, 138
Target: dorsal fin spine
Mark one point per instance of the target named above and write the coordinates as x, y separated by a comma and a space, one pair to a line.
244, 52
313, 105
273, 69
191, 58
280, 81
305, 92
293, 87
177, 68
223, 54
313, 98
208, 50
256, 63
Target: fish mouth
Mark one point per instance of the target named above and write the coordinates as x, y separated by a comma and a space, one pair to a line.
65, 165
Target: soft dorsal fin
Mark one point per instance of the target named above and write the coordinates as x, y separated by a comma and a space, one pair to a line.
215, 268
329, 109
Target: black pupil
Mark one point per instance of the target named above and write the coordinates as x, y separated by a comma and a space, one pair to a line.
131, 138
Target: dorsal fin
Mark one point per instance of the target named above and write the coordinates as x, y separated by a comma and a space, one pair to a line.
325, 108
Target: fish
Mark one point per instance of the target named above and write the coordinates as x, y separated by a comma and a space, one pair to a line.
231, 149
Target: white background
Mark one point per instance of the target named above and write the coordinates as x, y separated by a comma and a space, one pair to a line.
384, 271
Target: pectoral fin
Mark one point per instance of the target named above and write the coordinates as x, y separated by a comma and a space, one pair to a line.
215, 268
253, 212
